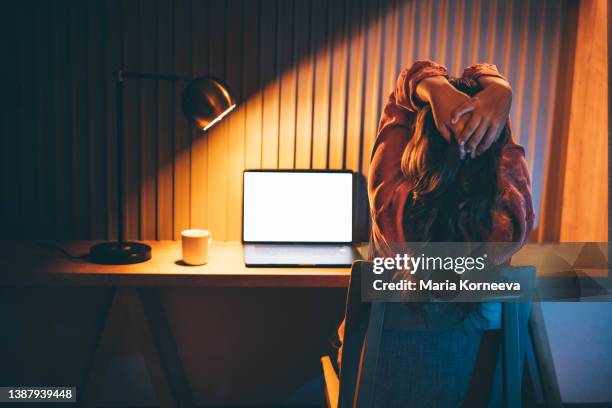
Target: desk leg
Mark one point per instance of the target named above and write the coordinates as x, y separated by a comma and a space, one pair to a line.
166, 350
112, 326
142, 310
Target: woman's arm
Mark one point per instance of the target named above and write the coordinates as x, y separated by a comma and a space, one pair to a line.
513, 213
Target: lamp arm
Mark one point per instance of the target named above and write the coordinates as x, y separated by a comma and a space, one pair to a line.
121, 75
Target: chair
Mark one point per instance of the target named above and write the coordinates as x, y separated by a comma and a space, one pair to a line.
480, 376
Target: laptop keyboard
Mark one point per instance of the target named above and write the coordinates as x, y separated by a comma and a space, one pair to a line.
263, 249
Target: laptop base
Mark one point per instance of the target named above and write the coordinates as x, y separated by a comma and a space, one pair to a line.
299, 255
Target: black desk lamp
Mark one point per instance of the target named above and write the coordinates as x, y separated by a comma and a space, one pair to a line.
205, 101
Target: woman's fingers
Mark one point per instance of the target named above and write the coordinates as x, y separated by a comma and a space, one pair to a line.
465, 107
476, 138
468, 129
490, 138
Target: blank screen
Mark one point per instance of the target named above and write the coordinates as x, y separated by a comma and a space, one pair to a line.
297, 207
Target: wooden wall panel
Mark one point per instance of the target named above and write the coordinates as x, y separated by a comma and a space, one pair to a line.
322, 84
311, 78
24, 173
252, 85
235, 121
356, 62
165, 122
61, 149
44, 222
131, 51
148, 109
585, 189
199, 145
269, 150
182, 130
305, 79
217, 137
338, 15
374, 96
288, 80
558, 124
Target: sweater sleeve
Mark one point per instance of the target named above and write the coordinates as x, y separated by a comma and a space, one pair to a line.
402, 104
409, 78
479, 70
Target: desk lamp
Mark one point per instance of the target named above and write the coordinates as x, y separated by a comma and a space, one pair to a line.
205, 101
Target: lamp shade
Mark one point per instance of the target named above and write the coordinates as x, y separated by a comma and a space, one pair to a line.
206, 100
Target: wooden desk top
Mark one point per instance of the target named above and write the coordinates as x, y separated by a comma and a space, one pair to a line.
24, 263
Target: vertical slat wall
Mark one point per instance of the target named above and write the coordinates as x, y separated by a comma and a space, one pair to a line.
311, 77
587, 153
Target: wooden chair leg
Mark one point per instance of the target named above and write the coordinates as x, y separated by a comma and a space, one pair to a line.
331, 384
367, 373
511, 355
543, 357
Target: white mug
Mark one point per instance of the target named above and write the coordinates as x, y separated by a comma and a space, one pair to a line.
195, 244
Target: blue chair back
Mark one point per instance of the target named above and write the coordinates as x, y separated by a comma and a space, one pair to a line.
434, 354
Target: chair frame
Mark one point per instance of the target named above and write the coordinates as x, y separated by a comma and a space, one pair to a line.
354, 386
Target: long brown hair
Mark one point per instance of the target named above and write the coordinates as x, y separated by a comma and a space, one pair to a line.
451, 199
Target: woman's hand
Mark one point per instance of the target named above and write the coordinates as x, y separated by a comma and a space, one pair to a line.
444, 99
489, 111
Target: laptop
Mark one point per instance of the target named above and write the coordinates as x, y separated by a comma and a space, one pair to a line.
298, 218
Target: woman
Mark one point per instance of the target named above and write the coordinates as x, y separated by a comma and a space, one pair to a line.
454, 179
475, 124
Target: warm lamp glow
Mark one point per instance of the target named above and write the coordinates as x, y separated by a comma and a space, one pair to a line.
228, 110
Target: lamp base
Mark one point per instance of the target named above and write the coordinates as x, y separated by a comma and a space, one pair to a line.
119, 253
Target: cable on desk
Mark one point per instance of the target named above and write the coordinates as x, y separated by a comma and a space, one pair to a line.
57, 247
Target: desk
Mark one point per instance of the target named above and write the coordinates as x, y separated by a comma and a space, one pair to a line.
25, 263
136, 289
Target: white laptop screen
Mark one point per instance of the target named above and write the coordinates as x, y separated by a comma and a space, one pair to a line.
297, 206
